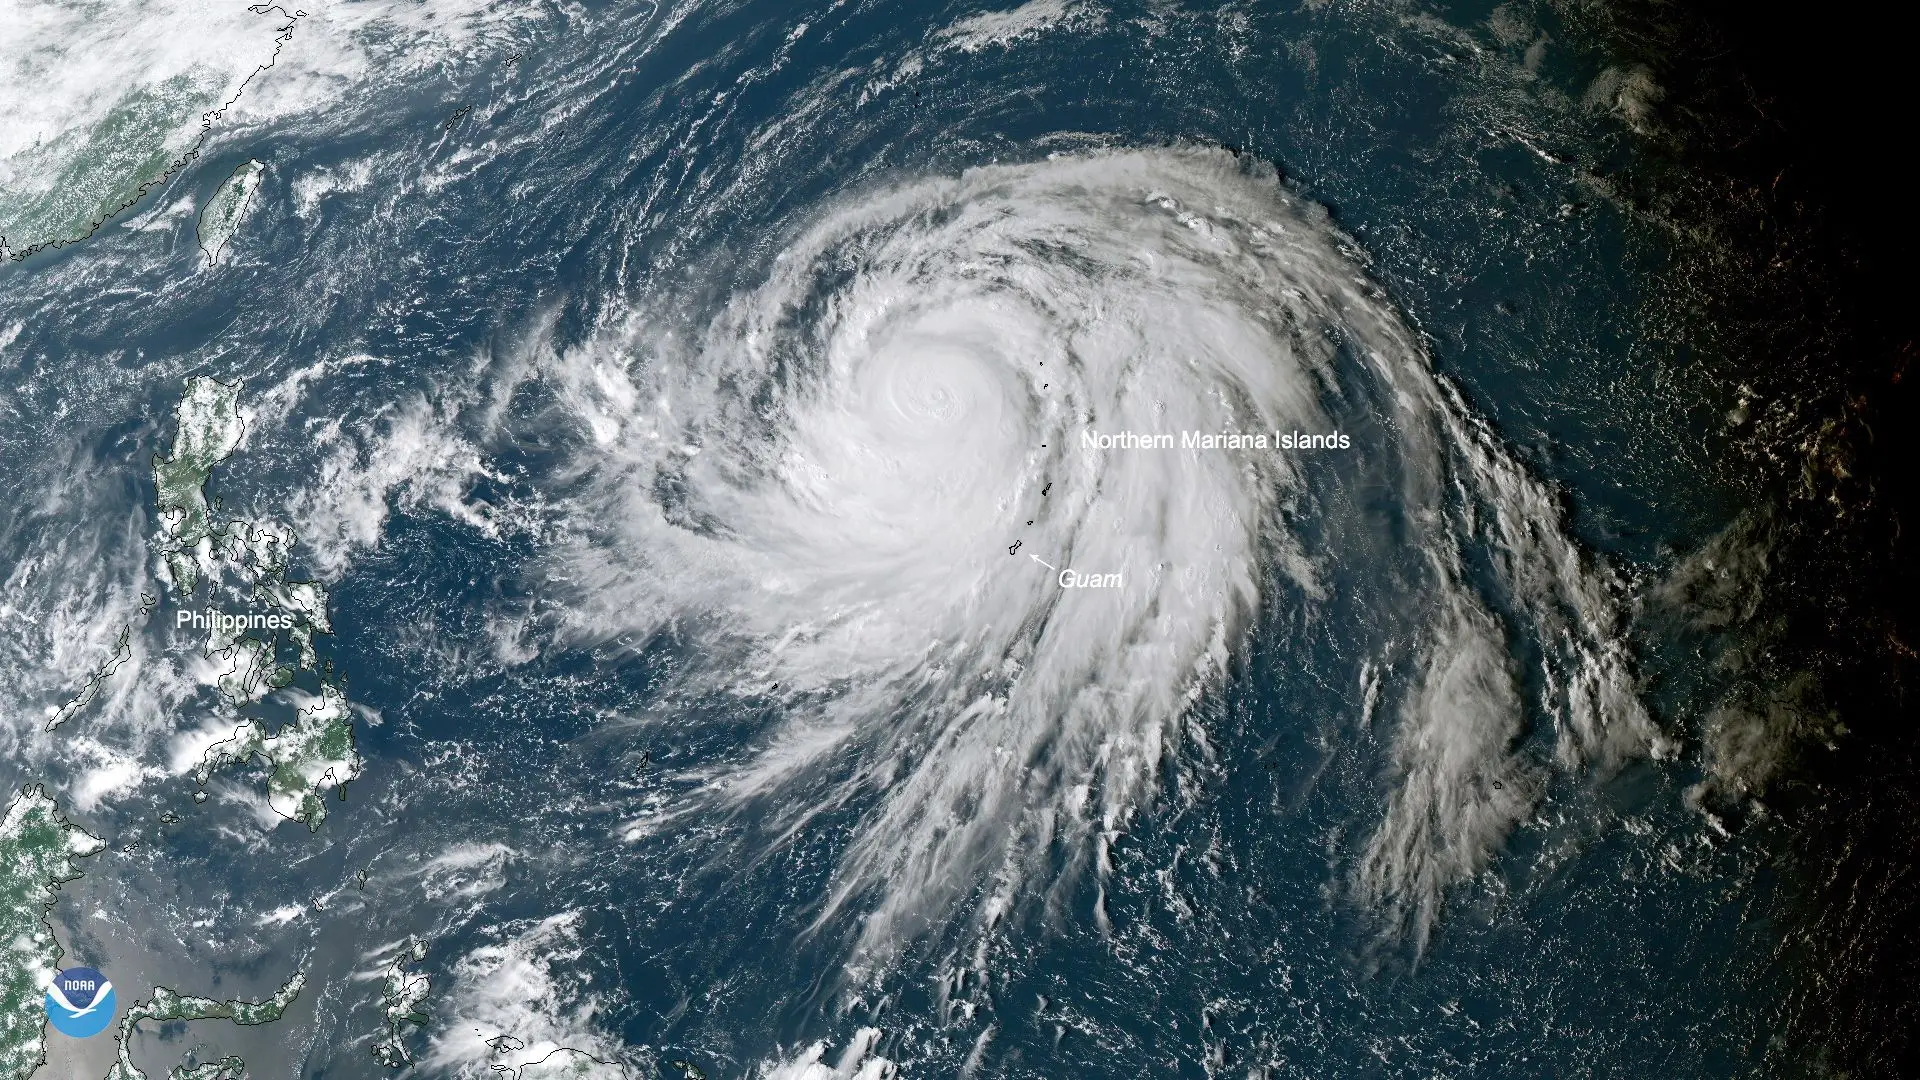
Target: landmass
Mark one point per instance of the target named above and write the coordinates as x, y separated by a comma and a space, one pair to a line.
37, 852
565, 1063
222, 215
122, 652
242, 561
207, 429
67, 169
401, 992
169, 1005
306, 757
245, 562
227, 1068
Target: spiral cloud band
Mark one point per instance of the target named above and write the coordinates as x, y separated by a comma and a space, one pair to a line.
896, 488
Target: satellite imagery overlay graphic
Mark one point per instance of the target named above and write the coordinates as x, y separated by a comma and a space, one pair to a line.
860, 540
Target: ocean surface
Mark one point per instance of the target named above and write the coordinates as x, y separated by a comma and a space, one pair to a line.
683, 407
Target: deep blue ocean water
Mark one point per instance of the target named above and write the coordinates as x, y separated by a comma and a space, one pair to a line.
1611, 937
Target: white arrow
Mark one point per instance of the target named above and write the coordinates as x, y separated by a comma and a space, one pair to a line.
1041, 561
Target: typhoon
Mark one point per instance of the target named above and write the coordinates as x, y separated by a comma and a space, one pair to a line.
851, 484
828, 542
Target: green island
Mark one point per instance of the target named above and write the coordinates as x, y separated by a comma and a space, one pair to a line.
565, 1063
227, 1068
37, 852
245, 561
401, 991
207, 429
305, 757
222, 215
168, 1005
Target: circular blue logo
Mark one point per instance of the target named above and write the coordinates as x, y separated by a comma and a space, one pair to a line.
80, 1002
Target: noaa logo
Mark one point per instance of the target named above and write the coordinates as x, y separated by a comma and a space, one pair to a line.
80, 1002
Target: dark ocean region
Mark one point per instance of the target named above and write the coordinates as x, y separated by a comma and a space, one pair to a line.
531, 392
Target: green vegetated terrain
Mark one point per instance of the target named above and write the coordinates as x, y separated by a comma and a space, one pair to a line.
37, 852
67, 188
